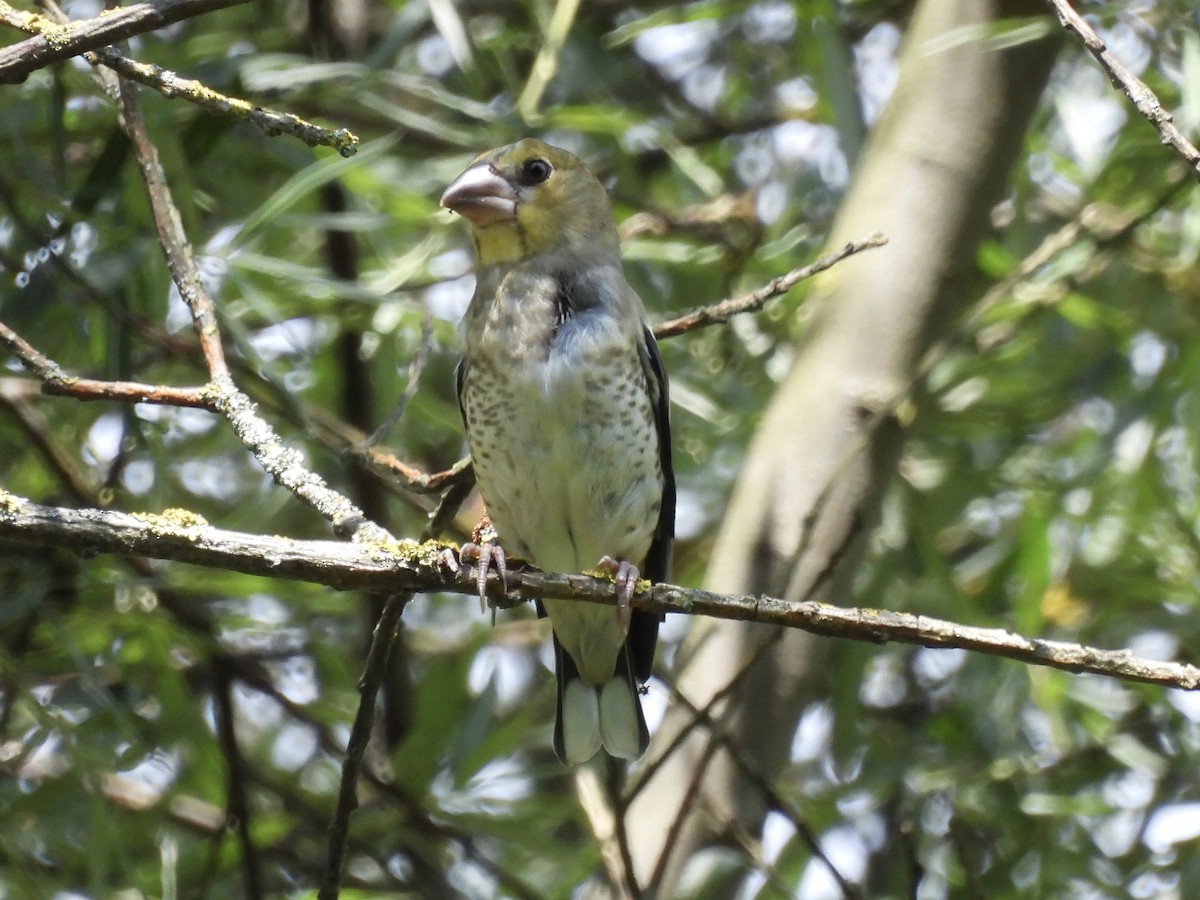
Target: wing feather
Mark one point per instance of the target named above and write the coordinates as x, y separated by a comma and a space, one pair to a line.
643, 627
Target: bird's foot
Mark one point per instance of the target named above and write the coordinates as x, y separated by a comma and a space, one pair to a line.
486, 557
625, 574
484, 551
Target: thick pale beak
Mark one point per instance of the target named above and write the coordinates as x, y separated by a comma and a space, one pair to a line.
482, 196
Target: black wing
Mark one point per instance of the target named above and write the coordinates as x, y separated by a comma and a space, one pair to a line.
643, 627
460, 377
658, 560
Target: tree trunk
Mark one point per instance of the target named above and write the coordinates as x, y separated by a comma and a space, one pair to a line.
931, 171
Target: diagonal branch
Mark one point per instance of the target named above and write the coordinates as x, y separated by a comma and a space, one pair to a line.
169, 225
722, 311
170, 85
55, 380
284, 464
1135, 89
408, 566
64, 41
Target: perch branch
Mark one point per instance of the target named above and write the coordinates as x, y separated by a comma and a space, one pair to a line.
408, 566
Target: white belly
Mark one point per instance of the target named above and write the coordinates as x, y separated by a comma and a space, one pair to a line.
568, 465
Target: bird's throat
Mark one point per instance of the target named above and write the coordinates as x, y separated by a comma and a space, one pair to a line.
500, 243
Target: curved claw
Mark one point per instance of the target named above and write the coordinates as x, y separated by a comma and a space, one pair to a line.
447, 561
625, 574
487, 556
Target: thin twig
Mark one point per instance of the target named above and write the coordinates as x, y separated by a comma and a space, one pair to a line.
1135, 89
285, 465
169, 225
55, 380
73, 38
762, 784
360, 736
691, 797
721, 312
17, 395
649, 770
269, 121
415, 368
448, 507
237, 805
699, 765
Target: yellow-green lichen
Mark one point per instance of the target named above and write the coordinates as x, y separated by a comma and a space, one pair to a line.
174, 522
59, 36
386, 550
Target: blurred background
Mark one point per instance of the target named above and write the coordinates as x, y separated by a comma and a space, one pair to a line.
993, 420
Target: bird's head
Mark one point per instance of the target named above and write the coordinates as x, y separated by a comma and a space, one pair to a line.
530, 198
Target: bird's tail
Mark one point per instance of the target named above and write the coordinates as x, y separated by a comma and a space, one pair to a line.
590, 717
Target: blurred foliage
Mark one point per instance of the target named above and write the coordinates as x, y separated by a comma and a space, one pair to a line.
1050, 481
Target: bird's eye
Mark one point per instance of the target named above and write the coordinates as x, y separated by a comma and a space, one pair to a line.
535, 171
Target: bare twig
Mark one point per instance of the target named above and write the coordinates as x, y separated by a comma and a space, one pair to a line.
1135, 89
270, 121
170, 85
171, 235
64, 41
184, 537
285, 465
56, 381
237, 806
360, 736
647, 772
415, 368
700, 763
451, 502
18, 396
721, 312
691, 797
762, 784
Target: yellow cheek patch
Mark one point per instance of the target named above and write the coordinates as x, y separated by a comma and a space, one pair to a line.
541, 225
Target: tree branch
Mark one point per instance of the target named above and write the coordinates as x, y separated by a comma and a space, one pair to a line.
1135, 89
360, 736
722, 311
64, 41
55, 380
269, 121
169, 225
394, 566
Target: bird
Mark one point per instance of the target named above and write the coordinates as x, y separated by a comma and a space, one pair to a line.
564, 401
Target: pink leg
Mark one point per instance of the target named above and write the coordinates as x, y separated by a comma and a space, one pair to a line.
626, 576
487, 556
